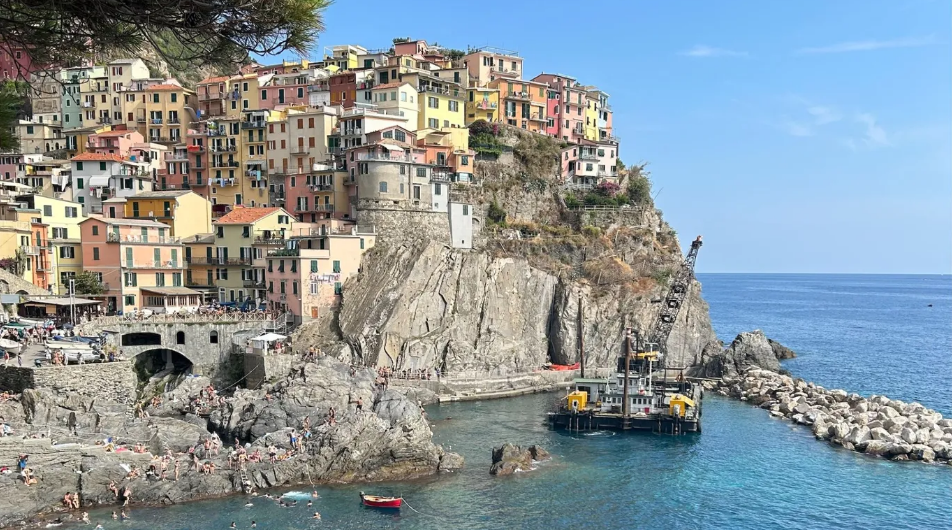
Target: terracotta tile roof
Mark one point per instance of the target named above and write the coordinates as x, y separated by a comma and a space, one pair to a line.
166, 87
244, 216
392, 85
97, 157
219, 79
113, 134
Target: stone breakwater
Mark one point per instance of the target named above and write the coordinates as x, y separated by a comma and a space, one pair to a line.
876, 426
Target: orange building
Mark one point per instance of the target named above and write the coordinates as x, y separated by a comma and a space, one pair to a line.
523, 103
141, 265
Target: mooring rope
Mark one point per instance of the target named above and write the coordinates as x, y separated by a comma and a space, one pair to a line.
418, 511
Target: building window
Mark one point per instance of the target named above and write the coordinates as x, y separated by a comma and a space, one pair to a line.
421, 172
433, 123
79, 183
213, 337
383, 187
47, 209
314, 261
437, 190
95, 253
465, 209
433, 103
454, 106
180, 337
130, 299
336, 267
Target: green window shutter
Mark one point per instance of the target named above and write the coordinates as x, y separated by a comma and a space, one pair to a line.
313, 265
336, 267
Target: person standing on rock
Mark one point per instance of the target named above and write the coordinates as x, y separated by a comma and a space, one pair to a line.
176, 470
360, 405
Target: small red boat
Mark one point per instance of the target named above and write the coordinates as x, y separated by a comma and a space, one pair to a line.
380, 502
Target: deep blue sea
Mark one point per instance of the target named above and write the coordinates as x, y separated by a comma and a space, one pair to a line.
869, 334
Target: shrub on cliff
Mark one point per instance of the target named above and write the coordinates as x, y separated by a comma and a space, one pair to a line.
496, 214
483, 127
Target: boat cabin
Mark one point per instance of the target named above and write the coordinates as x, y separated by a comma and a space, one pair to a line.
593, 388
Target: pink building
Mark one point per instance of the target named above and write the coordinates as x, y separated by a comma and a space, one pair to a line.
139, 263
285, 90
10, 164
15, 62
413, 47
589, 163
115, 142
566, 102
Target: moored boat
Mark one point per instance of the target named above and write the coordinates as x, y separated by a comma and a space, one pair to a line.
376, 501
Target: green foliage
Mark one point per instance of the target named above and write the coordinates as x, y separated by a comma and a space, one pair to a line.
591, 231
453, 54
196, 31
479, 127
496, 214
571, 201
15, 265
401, 40
639, 189
87, 283
619, 165
538, 153
485, 144
12, 101
661, 276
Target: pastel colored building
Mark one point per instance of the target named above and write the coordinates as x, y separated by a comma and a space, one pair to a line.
523, 103
15, 62
306, 277
115, 142
165, 112
199, 255
236, 276
97, 177
482, 103
566, 103
40, 137
185, 212
141, 265
397, 99
61, 220
589, 163
488, 64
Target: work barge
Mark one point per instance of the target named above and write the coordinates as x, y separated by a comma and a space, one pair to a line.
643, 394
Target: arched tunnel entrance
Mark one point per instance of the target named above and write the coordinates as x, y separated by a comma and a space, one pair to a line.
162, 368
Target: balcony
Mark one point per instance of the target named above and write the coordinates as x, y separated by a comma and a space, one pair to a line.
587, 155
252, 284
233, 163
485, 105
202, 260
143, 240
253, 124
196, 149
153, 264
270, 238
521, 96
222, 182
199, 282
277, 195
538, 116
321, 187
299, 151
216, 132
31, 251
176, 156
140, 119
104, 120
228, 148
441, 176
210, 96
450, 92
384, 157
350, 181
156, 121
324, 207
174, 121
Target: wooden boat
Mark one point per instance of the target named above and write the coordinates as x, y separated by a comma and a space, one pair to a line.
11, 347
376, 501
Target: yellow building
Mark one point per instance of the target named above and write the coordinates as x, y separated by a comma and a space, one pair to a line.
243, 94
592, 114
482, 103
200, 257
236, 276
167, 119
15, 244
344, 57
186, 212
62, 220
94, 97
441, 107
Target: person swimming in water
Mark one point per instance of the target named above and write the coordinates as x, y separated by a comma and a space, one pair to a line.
233, 525
317, 515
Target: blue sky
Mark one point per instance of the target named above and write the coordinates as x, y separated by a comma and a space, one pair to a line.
806, 136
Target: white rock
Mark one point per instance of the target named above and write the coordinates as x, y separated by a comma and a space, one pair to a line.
886, 413
857, 435
922, 452
879, 433
924, 436
838, 395
908, 435
841, 430
862, 406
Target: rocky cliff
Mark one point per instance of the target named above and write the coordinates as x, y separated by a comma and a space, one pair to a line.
512, 304
63, 435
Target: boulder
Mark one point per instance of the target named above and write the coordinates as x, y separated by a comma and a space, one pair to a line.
922, 452
838, 395
858, 435
509, 458
748, 349
878, 433
878, 448
780, 351
908, 435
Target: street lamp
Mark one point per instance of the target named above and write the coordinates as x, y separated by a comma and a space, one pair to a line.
72, 308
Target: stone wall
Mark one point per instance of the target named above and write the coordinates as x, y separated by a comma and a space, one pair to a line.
404, 224
111, 382
262, 368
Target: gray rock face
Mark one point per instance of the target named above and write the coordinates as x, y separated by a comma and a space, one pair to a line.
509, 458
748, 349
389, 439
424, 305
780, 351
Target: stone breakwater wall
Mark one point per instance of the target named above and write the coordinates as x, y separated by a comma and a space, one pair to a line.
109, 382
877, 426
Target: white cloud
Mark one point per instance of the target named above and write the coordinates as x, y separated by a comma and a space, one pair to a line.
874, 135
707, 51
797, 129
869, 45
823, 115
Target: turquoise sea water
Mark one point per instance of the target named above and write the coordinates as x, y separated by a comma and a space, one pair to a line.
746, 471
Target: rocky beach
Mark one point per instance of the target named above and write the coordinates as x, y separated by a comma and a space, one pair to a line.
67, 441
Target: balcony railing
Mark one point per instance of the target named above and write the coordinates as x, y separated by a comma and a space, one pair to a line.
587, 155
386, 157
324, 207
298, 151
522, 96
31, 251
440, 176
485, 105
451, 92
143, 240
253, 284
253, 124
538, 116
227, 148
321, 187
174, 121
223, 182
199, 282
154, 264
202, 260
156, 121
196, 149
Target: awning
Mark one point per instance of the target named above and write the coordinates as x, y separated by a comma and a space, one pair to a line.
170, 291
15, 185
269, 337
98, 182
61, 301
391, 147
